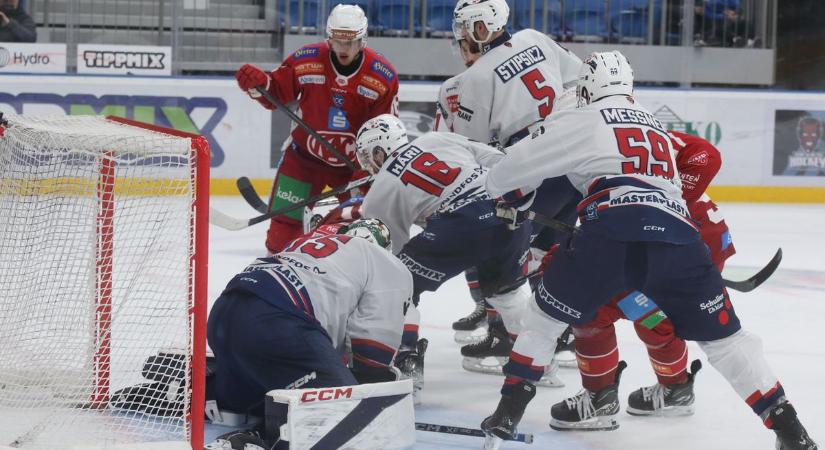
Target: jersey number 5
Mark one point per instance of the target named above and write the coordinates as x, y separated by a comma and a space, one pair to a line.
533, 80
650, 152
429, 174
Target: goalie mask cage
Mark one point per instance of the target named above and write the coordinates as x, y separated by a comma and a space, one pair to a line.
103, 248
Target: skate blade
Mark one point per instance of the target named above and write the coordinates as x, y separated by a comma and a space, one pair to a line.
492, 442
491, 365
550, 381
667, 411
470, 337
601, 423
566, 359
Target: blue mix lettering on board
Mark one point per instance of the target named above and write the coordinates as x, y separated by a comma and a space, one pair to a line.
383, 70
338, 99
337, 119
306, 52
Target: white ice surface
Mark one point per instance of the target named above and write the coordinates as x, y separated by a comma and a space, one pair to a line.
787, 312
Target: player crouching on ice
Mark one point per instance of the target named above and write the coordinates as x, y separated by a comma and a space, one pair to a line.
289, 321
636, 234
437, 182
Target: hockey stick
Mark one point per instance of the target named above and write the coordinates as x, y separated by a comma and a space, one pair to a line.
527, 438
251, 196
229, 223
757, 279
741, 286
271, 99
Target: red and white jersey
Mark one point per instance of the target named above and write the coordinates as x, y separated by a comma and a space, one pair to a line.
438, 172
332, 104
513, 85
447, 105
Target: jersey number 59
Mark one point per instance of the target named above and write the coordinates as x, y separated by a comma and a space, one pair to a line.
650, 152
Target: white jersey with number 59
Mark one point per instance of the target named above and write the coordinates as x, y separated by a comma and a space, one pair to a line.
513, 85
438, 172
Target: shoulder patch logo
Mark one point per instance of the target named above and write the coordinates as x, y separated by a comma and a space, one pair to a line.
699, 159
310, 67
367, 92
383, 70
375, 84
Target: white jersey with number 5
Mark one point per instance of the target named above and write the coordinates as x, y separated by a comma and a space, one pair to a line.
438, 172
618, 155
512, 86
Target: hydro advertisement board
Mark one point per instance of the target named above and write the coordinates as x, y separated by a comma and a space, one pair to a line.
766, 138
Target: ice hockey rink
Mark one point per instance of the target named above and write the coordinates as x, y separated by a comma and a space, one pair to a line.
787, 312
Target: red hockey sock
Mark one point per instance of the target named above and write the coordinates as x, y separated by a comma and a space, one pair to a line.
668, 354
597, 355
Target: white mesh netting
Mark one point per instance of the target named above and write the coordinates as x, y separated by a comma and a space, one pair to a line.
92, 213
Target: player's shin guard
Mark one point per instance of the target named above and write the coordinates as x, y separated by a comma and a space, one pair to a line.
534, 349
739, 358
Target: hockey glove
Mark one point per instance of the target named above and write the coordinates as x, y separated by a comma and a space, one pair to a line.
249, 78
514, 213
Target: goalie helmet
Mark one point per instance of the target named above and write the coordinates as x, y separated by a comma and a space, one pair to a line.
347, 23
602, 75
372, 230
377, 138
493, 13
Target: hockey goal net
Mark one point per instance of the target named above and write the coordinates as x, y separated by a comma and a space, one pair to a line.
103, 238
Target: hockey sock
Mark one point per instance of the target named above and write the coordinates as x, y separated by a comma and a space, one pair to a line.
597, 355
740, 359
411, 320
668, 354
509, 382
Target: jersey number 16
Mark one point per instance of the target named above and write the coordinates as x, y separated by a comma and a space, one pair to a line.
429, 174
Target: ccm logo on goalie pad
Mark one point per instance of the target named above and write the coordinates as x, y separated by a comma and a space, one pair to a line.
326, 394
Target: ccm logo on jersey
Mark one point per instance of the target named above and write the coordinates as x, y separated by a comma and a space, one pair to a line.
326, 394
653, 228
522, 60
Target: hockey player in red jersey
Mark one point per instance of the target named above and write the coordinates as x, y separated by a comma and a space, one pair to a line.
339, 84
698, 162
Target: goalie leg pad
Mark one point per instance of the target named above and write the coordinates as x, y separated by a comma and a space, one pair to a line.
367, 417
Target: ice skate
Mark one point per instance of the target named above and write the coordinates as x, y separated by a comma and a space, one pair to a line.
490, 354
790, 434
505, 419
410, 361
468, 328
589, 411
566, 350
665, 399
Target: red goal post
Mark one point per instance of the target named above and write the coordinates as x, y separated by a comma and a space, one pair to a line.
103, 252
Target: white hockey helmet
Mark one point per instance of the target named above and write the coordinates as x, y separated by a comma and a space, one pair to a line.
602, 75
347, 23
372, 230
380, 135
493, 13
